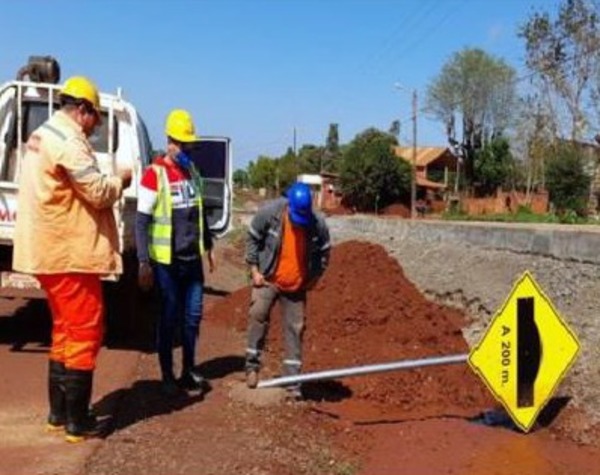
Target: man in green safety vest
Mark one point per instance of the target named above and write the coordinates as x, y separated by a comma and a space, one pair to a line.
172, 237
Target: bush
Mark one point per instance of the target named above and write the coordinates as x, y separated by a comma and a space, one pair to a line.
566, 180
493, 166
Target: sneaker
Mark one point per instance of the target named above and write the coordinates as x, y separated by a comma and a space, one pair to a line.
192, 381
252, 378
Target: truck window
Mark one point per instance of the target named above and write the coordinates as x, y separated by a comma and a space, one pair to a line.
36, 113
212, 156
99, 139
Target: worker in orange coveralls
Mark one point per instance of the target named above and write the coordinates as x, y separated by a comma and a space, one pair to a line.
66, 235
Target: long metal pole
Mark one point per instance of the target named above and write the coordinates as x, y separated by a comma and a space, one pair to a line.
413, 178
363, 370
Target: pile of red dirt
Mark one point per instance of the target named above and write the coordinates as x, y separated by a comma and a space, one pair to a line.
396, 209
365, 311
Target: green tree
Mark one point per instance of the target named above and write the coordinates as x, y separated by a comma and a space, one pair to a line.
332, 154
288, 169
263, 173
240, 178
494, 166
372, 176
477, 90
395, 129
566, 179
563, 55
310, 158
533, 136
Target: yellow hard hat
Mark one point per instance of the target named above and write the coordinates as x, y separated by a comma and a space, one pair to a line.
81, 87
180, 126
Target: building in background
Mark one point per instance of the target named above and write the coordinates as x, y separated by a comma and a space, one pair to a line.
326, 189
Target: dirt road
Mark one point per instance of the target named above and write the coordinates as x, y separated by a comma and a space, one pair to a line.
434, 421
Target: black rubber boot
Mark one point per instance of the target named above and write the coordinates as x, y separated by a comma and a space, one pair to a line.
81, 423
57, 417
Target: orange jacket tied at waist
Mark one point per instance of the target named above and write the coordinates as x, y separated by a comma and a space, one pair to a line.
65, 221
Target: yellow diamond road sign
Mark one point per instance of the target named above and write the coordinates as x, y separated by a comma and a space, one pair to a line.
525, 352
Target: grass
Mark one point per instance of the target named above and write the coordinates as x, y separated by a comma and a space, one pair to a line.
523, 215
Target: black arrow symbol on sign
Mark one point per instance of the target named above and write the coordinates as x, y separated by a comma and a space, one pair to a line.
529, 351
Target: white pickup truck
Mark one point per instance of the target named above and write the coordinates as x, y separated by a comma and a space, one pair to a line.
121, 141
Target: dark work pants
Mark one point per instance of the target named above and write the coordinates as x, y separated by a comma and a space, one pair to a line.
181, 288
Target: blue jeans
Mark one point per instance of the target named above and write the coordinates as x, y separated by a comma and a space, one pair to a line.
181, 287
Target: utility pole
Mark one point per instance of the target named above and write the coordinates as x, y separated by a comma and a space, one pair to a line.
294, 140
413, 174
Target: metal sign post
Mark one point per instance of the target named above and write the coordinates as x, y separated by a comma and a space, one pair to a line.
363, 370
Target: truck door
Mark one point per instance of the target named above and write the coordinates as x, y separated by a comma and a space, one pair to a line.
212, 157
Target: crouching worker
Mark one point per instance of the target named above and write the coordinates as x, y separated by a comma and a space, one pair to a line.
66, 235
287, 249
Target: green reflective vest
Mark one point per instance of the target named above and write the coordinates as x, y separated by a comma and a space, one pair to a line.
161, 228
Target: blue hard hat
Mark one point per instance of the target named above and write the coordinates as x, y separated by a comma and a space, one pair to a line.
300, 204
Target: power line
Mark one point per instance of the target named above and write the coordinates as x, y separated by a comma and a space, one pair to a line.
426, 32
415, 21
405, 24
387, 45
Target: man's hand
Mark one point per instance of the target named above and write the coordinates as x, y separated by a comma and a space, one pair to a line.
145, 276
212, 263
125, 175
258, 280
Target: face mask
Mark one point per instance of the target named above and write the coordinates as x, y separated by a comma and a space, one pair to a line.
183, 160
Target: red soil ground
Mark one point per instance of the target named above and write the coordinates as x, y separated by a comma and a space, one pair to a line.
363, 311
366, 311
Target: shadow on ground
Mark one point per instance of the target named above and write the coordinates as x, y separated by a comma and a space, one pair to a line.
26, 325
329, 391
27, 328
500, 418
144, 399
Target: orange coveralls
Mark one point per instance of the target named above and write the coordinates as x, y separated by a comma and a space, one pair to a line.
66, 235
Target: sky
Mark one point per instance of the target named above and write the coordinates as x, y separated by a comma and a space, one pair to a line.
258, 70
